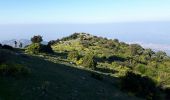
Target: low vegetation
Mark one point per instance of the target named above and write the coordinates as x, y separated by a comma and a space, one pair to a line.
36, 46
82, 64
8, 66
119, 57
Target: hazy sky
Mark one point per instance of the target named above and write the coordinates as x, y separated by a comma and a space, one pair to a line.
142, 21
82, 11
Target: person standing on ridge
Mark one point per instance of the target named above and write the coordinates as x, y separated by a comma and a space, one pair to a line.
15, 42
20, 45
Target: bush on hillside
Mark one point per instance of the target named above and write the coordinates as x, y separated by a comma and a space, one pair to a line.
73, 56
13, 70
7, 47
52, 42
47, 49
73, 36
140, 86
136, 49
4, 55
36, 48
89, 62
0, 45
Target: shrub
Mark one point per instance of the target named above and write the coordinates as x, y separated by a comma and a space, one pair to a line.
52, 42
47, 48
79, 62
36, 48
0, 45
136, 49
73, 56
37, 39
7, 47
89, 62
13, 70
140, 86
141, 68
4, 55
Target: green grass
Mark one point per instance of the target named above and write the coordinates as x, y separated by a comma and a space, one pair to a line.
57, 81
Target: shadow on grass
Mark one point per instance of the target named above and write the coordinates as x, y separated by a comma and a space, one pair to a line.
55, 81
105, 70
143, 87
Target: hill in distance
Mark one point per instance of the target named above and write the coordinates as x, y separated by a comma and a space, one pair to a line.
25, 42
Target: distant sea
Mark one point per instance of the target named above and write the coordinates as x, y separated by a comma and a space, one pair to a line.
155, 35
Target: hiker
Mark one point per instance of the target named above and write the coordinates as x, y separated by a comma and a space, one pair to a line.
20, 45
15, 42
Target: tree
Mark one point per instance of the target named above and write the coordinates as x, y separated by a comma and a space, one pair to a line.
73, 56
161, 54
36, 48
136, 49
116, 40
89, 62
37, 39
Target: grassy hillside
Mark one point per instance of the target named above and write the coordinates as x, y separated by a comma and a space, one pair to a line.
57, 80
119, 57
83, 67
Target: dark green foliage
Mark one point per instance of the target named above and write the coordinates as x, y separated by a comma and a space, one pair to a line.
52, 42
36, 48
105, 70
116, 40
136, 49
96, 76
148, 52
86, 43
141, 86
73, 36
115, 58
5, 55
47, 49
73, 56
7, 47
109, 44
2, 56
8, 66
13, 70
121, 57
161, 54
37, 39
89, 62
141, 68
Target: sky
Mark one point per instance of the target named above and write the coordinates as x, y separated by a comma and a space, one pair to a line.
82, 11
145, 22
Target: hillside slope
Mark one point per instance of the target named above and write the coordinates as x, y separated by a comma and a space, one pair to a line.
56, 81
83, 67
112, 55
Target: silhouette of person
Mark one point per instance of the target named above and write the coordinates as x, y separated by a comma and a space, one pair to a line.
20, 45
15, 43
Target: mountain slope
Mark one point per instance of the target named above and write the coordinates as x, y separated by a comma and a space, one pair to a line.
57, 76
56, 81
119, 57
